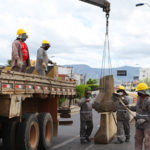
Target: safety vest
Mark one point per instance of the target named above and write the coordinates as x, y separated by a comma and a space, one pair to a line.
25, 52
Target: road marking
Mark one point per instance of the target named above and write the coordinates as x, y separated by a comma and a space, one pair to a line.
64, 143
89, 147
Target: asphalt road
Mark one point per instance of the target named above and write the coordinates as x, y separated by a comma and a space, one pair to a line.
68, 138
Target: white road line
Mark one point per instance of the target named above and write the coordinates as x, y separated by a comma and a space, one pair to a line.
89, 147
66, 142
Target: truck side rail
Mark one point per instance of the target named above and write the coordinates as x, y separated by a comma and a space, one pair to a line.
22, 83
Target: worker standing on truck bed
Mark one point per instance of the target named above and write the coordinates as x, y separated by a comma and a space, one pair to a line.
86, 119
42, 58
20, 53
142, 109
123, 118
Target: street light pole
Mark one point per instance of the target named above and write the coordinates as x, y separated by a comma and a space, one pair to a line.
141, 4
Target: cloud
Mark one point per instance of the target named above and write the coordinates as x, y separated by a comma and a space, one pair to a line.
76, 30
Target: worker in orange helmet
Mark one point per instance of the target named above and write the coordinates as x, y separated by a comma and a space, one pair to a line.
20, 53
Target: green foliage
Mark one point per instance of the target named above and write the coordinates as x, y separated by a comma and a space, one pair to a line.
93, 84
61, 100
92, 81
76, 101
80, 89
9, 62
93, 87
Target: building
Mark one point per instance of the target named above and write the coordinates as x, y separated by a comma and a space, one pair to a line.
67, 73
79, 78
144, 73
65, 70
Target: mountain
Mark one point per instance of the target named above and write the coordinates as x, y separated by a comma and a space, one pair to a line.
95, 73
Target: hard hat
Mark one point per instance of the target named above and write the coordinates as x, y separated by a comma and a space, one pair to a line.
45, 42
141, 87
21, 31
121, 88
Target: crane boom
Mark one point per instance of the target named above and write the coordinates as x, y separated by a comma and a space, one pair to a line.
101, 3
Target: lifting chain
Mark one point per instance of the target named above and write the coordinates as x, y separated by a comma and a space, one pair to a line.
106, 60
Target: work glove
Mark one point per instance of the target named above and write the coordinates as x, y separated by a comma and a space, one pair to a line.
128, 106
19, 63
27, 68
145, 117
54, 63
44, 65
140, 121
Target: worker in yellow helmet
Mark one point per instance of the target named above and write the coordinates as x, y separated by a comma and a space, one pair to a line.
123, 117
20, 53
142, 109
42, 58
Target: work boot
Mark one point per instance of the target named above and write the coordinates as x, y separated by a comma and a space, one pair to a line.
118, 142
88, 140
83, 141
127, 140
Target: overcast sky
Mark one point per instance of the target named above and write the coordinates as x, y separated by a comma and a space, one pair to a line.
76, 30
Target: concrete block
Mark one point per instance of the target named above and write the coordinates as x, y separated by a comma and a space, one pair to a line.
107, 128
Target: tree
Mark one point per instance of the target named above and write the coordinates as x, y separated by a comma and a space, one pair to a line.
80, 89
93, 84
92, 81
9, 62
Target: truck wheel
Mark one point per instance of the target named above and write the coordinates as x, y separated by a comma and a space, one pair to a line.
28, 133
46, 130
9, 135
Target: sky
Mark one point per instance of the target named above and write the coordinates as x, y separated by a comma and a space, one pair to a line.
76, 31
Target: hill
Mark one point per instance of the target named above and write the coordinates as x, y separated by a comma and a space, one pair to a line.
95, 73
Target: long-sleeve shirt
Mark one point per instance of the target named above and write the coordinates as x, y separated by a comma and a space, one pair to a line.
142, 110
42, 57
86, 109
17, 53
122, 113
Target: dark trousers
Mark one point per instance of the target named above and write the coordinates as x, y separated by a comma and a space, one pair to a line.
123, 129
41, 72
142, 137
86, 128
18, 69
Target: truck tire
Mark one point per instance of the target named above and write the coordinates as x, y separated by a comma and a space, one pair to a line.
28, 133
46, 130
9, 135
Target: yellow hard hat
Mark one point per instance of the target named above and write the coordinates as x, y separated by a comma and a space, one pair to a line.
45, 42
121, 88
142, 87
21, 31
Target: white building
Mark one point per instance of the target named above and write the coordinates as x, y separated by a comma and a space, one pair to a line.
69, 72
65, 70
79, 78
144, 73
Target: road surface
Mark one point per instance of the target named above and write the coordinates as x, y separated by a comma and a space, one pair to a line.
68, 138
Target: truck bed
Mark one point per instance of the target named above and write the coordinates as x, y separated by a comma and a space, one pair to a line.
23, 83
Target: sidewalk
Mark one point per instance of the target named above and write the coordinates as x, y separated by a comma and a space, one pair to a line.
74, 109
